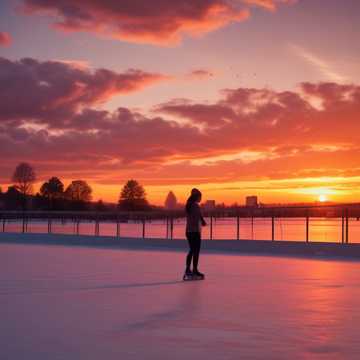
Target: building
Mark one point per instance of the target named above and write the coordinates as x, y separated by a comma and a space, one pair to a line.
171, 201
251, 201
209, 205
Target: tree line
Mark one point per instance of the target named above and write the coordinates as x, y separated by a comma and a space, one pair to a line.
76, 196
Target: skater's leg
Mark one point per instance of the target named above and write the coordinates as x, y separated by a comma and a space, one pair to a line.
197, 245
189, 256
188, 261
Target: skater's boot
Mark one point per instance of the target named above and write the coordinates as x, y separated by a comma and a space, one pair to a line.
188, 274
198, 274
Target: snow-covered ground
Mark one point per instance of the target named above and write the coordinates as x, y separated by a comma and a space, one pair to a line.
59, 302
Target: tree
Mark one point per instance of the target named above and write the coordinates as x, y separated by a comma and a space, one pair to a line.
100, 206
171, 201
52, 190
14, 200
39, 202
2, 199
79, 191
133, 197
24, 178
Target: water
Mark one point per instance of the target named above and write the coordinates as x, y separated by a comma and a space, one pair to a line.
83, 303
291, 229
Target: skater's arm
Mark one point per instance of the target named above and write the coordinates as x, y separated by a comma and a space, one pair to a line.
202, 220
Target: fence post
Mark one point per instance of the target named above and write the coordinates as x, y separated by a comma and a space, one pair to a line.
252, 226
273, 228
307, 227
347, 226
143, 228
77, 226
3, 225
97, 226
167, 228
342, 228
211, 227
117, 227
238, 227
49, 225
23, 224
171, 228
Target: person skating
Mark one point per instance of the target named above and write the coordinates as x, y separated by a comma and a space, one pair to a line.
194, 222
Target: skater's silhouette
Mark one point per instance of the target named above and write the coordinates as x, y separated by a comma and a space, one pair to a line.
194, 221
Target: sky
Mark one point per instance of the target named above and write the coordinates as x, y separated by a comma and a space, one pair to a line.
235, 97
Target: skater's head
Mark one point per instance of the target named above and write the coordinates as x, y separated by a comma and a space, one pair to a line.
195, 197
196, 194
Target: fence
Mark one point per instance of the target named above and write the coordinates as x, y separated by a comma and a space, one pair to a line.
237, 224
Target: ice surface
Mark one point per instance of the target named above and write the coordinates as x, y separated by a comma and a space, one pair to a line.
85, 303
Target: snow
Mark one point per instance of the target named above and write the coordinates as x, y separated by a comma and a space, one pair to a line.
63, 302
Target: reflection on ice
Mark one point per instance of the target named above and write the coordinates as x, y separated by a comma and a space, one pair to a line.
83, 303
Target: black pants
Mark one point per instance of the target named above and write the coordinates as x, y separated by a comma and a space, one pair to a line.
194, 240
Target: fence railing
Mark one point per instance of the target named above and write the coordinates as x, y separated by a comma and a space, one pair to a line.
141, 224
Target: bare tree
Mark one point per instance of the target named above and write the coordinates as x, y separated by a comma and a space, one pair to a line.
24, 178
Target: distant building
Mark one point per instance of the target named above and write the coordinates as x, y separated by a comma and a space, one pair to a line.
171, 201
251, 201
209, 204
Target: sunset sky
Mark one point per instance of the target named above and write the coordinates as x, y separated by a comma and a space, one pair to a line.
236, 97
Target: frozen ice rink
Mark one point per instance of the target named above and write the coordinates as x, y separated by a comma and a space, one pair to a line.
75, 303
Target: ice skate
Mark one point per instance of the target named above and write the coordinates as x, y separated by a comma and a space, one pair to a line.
188, 275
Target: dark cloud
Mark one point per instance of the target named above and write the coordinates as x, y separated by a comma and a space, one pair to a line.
52, 91
157, 21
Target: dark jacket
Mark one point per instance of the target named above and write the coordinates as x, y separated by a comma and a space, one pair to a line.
194, 218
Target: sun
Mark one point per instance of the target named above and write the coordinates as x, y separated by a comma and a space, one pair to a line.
322, 198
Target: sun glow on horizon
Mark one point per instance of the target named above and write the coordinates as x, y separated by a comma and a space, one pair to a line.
323, 198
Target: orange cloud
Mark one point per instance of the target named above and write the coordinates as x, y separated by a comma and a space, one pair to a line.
247, 135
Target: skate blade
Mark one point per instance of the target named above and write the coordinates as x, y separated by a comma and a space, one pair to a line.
193, 278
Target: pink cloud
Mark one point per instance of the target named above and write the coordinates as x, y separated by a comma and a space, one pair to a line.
159, 22
268, 4
77, 64
200, 74
212, 115
5, 39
